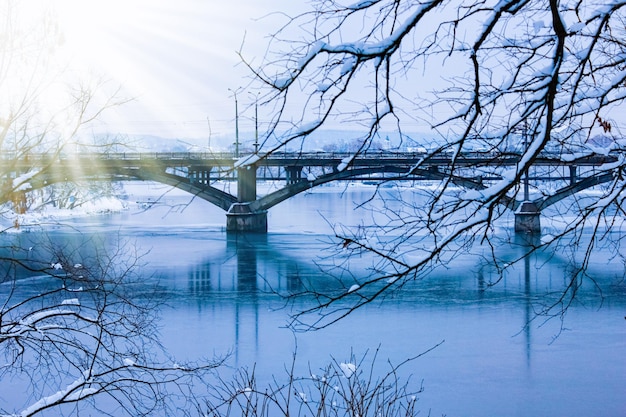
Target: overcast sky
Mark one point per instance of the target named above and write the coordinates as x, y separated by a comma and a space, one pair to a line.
178, 59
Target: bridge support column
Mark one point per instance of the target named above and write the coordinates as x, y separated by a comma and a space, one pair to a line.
246, 184
199, 174
240, 218
293, 174
528, 218
572, 175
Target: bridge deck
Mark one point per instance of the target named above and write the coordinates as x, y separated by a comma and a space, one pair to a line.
326, 159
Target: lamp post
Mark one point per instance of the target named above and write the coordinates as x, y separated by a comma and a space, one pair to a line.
256, 123
236, 124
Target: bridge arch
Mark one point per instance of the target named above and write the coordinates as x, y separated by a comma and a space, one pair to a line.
572, 189
270, 200
208, 193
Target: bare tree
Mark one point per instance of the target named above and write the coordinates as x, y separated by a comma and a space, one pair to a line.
356, 387
81, 334
44, 106
492, 79
76, 333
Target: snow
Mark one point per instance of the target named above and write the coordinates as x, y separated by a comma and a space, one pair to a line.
538, 25
392, 280
375, 48
47, 212
547, 239
323, 87
473, 195
72, 392
348, 64
576, 155
541, 73
577, 27
71, 301
599, 150
348, 369
314, 49
344, 163
24, 187
613, 165
282, 83
41, 315
247, 160
362, 4
354, 288
310, 126
581, 53
129, 362
507, 176
82, 393
20, 183
619, 78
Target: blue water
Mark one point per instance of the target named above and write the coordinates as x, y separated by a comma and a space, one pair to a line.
496, 356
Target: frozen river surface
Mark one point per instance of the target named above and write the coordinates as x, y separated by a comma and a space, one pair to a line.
218, 293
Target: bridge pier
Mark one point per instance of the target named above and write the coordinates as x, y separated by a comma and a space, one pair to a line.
240, 218
246, 184
528, 218
572, 175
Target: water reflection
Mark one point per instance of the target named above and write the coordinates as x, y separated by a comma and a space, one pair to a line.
254, 269
246, 250
260, 264
528, 309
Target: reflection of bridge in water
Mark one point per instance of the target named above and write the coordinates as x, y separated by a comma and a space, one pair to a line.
202, 173
255, 271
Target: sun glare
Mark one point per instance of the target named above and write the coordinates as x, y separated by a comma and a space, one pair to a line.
156, 50
176, 60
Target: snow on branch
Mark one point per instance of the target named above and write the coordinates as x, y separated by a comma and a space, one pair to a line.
74, 392
21, 182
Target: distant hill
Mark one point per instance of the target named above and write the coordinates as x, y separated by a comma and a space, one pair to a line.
324, 140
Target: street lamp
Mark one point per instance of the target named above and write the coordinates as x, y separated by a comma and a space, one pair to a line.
256, 123
236, 123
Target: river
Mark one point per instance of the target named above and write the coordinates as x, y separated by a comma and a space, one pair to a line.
493, 360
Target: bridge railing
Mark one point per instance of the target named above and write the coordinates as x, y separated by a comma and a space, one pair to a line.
231, 155
228, 157
131, 156
135, 156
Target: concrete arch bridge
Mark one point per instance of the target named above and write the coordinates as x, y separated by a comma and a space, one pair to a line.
198, 174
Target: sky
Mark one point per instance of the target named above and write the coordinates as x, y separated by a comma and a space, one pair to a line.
177, 60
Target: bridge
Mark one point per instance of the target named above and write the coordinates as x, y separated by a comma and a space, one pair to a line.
201, 174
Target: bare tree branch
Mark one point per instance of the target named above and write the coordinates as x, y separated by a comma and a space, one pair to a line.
492, 78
